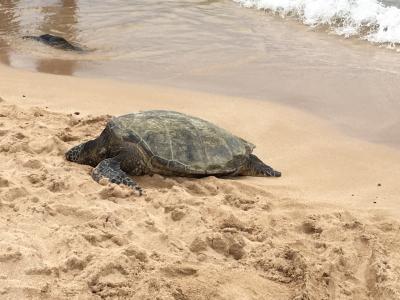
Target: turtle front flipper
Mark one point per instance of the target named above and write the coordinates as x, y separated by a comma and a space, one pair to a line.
255, 167
110, 168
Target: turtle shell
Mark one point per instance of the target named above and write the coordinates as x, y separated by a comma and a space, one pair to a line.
180, 143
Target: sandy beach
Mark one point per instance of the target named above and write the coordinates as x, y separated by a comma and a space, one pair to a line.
327, 229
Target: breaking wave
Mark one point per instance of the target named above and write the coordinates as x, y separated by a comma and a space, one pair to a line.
367, 19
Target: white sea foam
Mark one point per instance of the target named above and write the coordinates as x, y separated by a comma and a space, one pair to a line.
368, 19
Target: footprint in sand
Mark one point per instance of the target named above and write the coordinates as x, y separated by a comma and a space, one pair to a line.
227, 243
4, 182
311, 226
33, 164
177, 211
58, 185
9, 253
114, 275
15, 193
67, 137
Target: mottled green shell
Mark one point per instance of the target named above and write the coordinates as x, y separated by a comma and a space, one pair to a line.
180, 142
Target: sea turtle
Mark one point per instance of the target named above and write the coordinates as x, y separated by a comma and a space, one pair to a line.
54, 41
167, 143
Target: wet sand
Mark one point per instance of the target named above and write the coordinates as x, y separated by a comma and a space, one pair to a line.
327, 229
215, 47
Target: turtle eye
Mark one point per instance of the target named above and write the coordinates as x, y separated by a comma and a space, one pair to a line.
103, 151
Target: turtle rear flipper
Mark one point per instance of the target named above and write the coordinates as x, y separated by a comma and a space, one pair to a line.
110, 168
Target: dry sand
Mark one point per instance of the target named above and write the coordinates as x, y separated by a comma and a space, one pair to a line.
327, 229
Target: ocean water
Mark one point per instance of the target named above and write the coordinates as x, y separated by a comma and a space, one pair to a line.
239, 48
371, 20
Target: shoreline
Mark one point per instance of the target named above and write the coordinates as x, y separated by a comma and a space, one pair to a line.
348, 82
326, 228
353, 92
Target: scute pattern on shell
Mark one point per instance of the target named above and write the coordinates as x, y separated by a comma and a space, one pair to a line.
176, 138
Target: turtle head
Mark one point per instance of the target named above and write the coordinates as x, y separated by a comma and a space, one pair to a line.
87, 153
